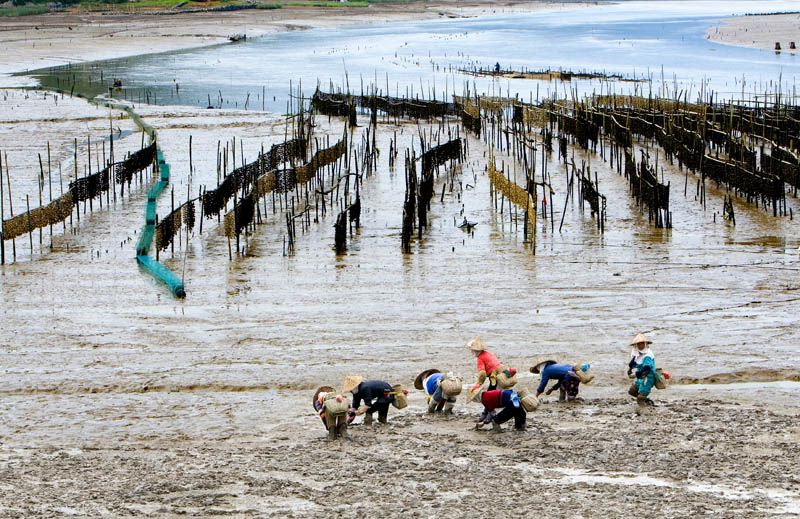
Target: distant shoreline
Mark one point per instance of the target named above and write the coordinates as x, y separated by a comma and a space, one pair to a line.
758, 31
53, 39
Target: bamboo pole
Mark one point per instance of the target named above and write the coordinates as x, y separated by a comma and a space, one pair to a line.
2, 222
10, 205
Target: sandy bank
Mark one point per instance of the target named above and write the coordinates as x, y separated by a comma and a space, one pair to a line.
60, 38
759, 32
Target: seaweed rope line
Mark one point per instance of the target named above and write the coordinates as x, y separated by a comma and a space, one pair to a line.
143, 258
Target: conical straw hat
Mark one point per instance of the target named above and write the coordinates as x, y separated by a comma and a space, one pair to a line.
321, 389
476, 344
351, 382
422, 376
640, 338
540, 362
474, 393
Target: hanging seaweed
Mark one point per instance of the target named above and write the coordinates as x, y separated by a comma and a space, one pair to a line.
142, 159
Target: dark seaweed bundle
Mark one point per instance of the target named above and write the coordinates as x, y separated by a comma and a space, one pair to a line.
89, 186
138, 161
438, 155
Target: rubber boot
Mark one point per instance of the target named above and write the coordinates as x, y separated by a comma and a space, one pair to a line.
368, 419
331, 432
641, 404
341, 431
432, 406
448, 408
383, 419
496, 428
633, 391
562, 395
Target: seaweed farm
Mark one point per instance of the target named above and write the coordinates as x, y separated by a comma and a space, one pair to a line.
193, 242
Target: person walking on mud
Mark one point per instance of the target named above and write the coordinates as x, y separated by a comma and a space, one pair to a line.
442, 390
506, 398
376, 395
568, 378
642, 367
332, 408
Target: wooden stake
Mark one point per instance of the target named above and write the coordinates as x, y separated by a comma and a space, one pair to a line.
30, 230
10, 205
2, 222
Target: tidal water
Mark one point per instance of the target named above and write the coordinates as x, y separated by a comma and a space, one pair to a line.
663, 42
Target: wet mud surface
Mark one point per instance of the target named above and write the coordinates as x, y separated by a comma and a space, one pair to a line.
119, 400
684, 457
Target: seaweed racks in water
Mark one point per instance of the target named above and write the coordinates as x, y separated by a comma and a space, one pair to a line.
215, 200
282, 181
691, 140
420, 191
84, 189
545, 74
342, 104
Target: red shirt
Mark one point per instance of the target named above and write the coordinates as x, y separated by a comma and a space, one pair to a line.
491, 400
488, 362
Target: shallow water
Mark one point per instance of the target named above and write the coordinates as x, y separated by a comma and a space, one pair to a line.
659, 41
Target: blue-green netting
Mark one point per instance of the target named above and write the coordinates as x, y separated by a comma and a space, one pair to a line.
163, 274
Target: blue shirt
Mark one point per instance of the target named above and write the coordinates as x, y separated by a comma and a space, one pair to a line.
554, 371
431, 383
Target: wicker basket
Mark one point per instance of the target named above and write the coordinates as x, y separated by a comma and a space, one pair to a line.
451, 387
334, 407
530, 403
505, 380
659, 378
400, 400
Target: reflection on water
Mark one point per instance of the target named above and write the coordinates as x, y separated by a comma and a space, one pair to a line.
660, 41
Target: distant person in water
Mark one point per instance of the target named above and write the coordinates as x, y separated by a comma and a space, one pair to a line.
376, 396
497, 68
568, 378
642, 367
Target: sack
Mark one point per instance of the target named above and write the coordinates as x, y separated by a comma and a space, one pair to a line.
334, 407
505, 379
400, 399
660, 383
530, 403
451, 387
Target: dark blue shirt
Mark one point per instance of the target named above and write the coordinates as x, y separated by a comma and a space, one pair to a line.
554, 371
372, 389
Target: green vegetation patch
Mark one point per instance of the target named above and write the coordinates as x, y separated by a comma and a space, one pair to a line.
357, 3
23, 10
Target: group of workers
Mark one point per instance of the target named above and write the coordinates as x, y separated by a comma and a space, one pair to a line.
493, 389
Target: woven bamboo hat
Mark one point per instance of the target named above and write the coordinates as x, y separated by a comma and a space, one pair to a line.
422, 376
476, 344
475, 391
640, 338
351, 382
540, 363
321, 389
